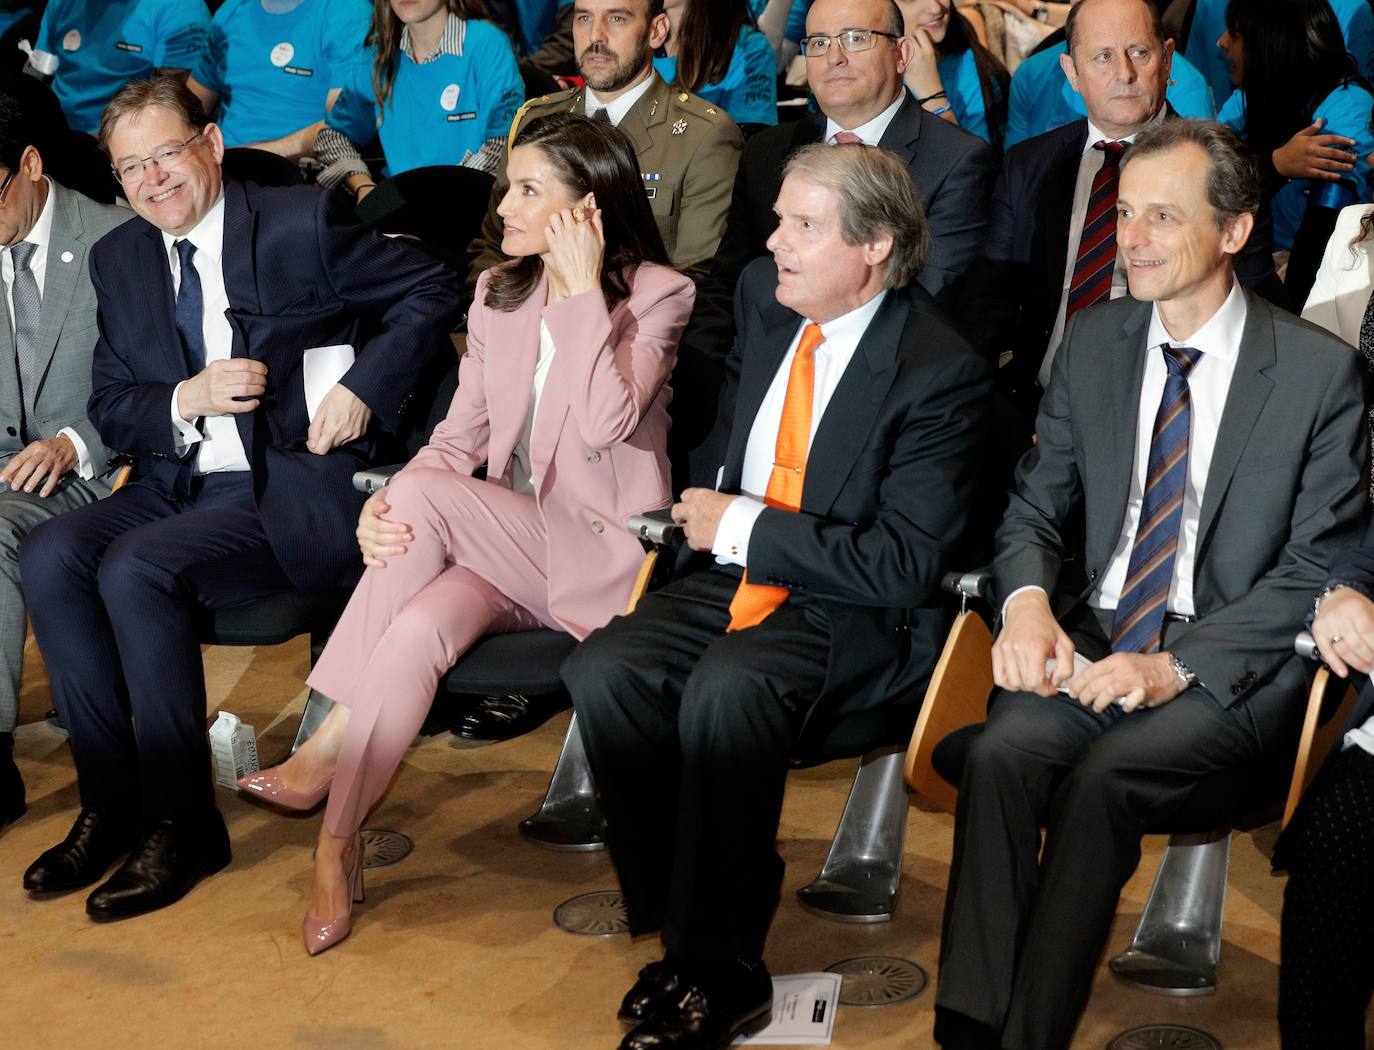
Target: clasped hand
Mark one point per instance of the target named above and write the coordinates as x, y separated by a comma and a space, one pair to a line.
378, 538
1344, 631
1031, 637
575, 249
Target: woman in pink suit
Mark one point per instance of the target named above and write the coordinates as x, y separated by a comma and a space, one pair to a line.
563, 395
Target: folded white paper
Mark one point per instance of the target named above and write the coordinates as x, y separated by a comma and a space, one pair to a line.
804, 1006
323, 367
1079, 662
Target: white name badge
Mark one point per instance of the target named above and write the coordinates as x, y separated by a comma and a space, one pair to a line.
449, 98
282, 54
72, 41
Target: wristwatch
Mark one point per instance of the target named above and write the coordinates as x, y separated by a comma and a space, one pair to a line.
1183, 671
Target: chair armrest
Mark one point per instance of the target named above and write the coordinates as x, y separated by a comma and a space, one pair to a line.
976, 583
1306, 646
374, 478
656, 528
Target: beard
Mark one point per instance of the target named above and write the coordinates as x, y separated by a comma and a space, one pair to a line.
621, 72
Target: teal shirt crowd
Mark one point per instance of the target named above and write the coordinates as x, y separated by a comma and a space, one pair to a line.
749, 89
273, 71
964, 92
100, 45
441, 110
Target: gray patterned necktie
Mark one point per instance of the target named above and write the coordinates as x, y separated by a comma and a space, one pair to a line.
28, 309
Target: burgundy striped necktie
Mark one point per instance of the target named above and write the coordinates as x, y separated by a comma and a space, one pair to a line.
1092, 272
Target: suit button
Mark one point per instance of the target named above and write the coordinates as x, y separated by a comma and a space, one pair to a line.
598, 527
593, 457
11, 431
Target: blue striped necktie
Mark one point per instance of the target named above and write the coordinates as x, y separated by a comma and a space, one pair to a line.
1139, 620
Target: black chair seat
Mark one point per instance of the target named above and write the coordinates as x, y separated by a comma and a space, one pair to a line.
526, 662
274, 620
247, 164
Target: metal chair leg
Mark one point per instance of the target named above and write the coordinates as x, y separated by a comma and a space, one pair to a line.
1178, 943
317, 705
570, 819
863, 871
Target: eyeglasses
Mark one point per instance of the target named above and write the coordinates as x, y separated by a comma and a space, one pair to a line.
131, 171
850, 41
6, 185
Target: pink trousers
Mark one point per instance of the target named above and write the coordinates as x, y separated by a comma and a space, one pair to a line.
476, 566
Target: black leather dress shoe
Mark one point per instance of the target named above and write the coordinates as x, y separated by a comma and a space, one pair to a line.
659, 986
176, 852
97, 839
712, 1013
12, 803
507, 717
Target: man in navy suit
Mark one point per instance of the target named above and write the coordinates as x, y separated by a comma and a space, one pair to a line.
228, 318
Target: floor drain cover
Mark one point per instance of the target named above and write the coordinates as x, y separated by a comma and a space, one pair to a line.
381, 849
1164, 1037
879, 980
599, 914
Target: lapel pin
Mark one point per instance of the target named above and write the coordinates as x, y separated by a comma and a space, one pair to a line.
679, 127
67, 257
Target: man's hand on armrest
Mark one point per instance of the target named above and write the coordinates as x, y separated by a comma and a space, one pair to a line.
699, 513
1030, 638
1344, 631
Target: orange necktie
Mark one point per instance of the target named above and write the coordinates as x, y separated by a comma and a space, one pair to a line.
754, 601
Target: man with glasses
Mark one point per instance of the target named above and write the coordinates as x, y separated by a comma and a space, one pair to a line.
234, 362
52, 457
855, 57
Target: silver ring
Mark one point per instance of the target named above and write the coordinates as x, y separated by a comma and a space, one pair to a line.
1335, 639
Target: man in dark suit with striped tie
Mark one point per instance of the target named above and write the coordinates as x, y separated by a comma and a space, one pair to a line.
249, 337
1208, 449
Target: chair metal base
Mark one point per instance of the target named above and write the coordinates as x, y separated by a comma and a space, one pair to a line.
1177, 944
570, 818
863, 872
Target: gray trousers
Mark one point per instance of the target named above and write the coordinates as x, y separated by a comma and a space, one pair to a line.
20, 512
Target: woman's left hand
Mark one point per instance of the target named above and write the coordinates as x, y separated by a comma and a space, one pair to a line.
576, 248
922, 76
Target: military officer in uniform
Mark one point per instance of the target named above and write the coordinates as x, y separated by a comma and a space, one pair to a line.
688, 149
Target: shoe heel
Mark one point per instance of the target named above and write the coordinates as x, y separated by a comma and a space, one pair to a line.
355, 877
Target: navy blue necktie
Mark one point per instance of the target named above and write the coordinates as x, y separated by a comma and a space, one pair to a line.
190, 310
1138, 625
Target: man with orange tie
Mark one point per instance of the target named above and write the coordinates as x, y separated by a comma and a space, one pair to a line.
854, 420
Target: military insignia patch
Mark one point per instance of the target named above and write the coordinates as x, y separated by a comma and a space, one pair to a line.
679, 127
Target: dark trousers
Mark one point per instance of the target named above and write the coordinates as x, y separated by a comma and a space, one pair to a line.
113, 589
1326, 971
1024, 928
689, 731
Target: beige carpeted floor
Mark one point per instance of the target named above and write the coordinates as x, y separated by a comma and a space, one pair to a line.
455, 947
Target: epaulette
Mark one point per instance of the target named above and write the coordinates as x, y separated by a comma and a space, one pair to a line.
552, 100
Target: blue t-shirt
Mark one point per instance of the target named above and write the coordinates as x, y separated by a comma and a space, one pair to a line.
796, 20
537, 18
749, 89
964, 92
1042, 98
274, 71
9, 17
1345, 112
100, 45
439, 111
1355, 17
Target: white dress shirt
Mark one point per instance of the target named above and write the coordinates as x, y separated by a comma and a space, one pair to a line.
523, 480
1089, 164
619, 106
41, 236
1208, 384
221, 448
871, 132
832, 356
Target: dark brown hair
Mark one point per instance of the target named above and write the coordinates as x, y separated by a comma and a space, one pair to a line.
162, 89
385, 40
706, 40
590, 156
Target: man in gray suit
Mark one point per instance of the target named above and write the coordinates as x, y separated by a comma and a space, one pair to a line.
1208, 449
51, 458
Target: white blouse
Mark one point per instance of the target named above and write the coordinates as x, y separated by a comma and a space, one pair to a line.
523, 480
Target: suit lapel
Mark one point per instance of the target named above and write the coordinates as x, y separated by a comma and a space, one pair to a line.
756, 375
1245, 400
647, 113
1055, 208
66, 263
238, 254
1120, 423
10, 404
161, 298
866, 380
511, 368
903, 133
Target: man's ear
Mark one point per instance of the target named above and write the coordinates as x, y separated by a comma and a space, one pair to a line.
31, 164
878, 250
659, 29
1236, 232
1070, 70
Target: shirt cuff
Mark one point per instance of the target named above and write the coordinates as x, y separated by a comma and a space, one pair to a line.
1020, 590
731, 546
187, 434
84, 470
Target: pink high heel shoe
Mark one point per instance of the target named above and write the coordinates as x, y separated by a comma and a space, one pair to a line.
319, 935
267, 786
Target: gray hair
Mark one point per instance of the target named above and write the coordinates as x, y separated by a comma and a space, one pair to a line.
876, 196
161, 89
1233, 178
1071, 23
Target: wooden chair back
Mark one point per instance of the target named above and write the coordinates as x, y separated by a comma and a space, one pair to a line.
1329, 704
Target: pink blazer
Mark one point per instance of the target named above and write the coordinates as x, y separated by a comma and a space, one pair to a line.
599, 447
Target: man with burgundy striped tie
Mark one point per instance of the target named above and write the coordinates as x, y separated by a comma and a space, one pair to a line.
850, 468
1212, 448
